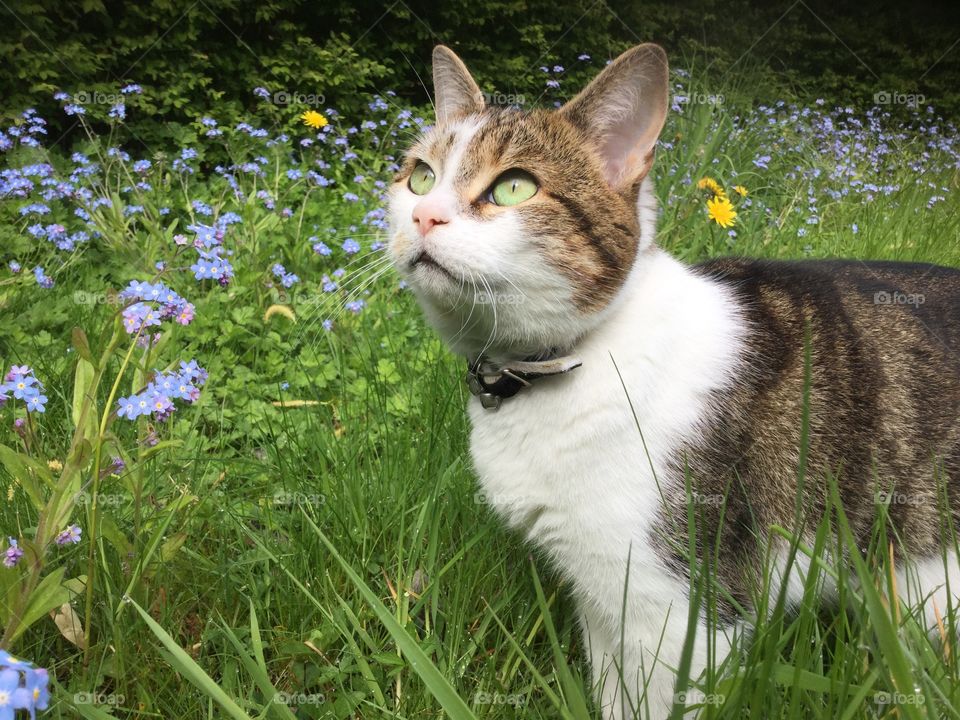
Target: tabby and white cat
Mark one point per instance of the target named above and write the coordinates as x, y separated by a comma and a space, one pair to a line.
605, 372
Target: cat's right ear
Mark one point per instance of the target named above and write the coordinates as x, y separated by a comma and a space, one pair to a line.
456, 93
623, 109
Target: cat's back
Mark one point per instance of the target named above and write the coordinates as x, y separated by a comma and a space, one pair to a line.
890, 296
872, 351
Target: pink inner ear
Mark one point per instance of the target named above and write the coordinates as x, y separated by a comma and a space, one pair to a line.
626, 156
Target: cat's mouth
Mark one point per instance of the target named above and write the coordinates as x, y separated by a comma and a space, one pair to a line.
426, 260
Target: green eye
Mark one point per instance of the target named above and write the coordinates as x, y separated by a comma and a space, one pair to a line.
422, 179
513, 187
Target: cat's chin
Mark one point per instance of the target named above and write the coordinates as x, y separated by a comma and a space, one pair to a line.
426, 269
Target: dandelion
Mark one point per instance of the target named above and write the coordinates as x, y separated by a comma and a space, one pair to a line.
712, 185
741, 190
721, 211
311, 118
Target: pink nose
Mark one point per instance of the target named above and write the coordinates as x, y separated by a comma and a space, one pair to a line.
427, 214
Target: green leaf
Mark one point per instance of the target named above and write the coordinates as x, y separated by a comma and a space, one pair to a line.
83, 410
82, 345
436, 683
21, 468
50, 594
186, 666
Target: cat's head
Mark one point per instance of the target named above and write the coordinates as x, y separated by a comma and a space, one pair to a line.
517, 229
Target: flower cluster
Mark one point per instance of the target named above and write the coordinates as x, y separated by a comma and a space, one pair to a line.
21, 384
211, 263
719, 207
22, 686
286, 279
12, 554
68, 536
157, 399
156, 302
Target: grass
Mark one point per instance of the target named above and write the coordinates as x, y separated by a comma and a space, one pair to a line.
333, 558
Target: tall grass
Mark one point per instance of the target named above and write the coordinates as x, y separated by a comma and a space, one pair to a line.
383, 587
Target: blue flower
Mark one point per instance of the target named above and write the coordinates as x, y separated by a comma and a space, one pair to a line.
36, 403
11, 557
128, 408
131, 89
10, 696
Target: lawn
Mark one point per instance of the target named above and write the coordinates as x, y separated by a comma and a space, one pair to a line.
296, 532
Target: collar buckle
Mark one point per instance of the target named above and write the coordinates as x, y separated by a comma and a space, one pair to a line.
492, 383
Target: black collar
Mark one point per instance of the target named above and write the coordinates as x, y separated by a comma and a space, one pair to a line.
492, 382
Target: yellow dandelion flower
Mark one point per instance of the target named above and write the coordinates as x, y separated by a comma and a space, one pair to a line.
55, 465
311, 118
740, 190
721, 211
712, 185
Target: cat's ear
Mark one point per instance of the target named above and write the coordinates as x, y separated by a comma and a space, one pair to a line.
456, 93
623, 109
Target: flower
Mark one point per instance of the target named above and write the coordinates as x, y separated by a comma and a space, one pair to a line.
36, 403
712, 185
740, 190
12, 554
37, 688
311, 118
721, 211
43, 280
70, 535
9, 689
22, 687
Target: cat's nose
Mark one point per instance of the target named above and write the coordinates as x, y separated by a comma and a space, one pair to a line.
429, 213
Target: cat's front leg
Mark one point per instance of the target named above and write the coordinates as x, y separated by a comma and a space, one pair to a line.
633, 662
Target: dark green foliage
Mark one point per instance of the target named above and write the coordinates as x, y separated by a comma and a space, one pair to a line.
205, 57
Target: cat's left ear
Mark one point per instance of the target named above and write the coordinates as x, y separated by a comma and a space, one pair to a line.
454, 88
624, 109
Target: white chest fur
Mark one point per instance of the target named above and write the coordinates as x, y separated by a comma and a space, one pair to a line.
574, 462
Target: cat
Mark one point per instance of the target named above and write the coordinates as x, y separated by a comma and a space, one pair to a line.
613, 384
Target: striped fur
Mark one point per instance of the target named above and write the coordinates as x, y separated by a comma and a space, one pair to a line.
687, 372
